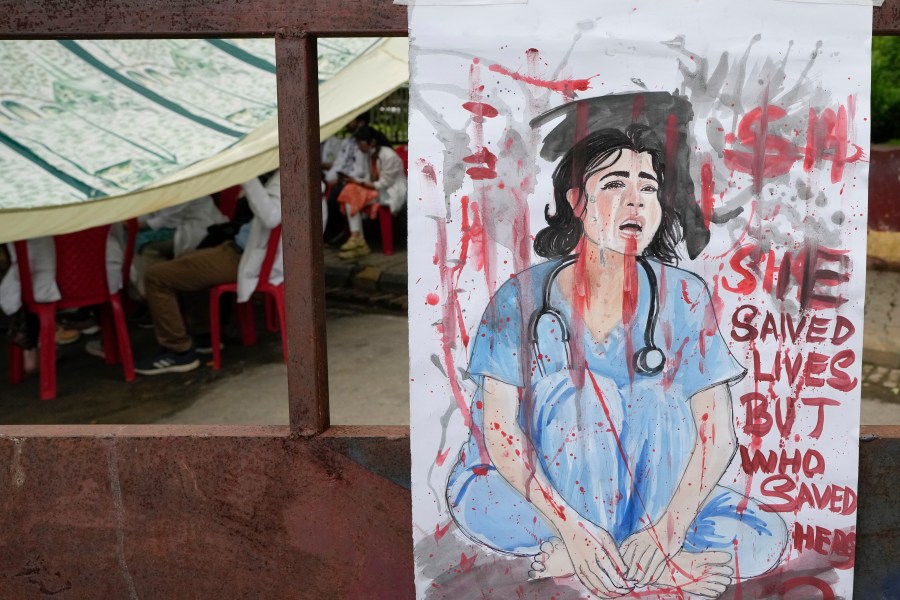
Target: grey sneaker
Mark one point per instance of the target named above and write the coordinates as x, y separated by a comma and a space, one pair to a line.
167, 361
95, 348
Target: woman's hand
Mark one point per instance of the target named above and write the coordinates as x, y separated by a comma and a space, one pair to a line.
646, 553
596, 559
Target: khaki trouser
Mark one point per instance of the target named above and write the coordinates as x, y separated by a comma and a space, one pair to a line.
195, 271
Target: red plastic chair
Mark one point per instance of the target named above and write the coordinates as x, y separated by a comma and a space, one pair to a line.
81, 279
385, 218
227, 201
131, 229
274, 294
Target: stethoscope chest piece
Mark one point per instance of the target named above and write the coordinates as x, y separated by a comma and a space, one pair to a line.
649, 361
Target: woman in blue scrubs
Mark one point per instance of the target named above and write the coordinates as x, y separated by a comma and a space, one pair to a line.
603, 418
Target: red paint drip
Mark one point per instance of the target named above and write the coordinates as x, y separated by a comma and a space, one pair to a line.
629, 300
448, 331
653, 534
637, 107
432, 299
738, 592
566, 87
707, 191
559, 510
580, 304
827, 139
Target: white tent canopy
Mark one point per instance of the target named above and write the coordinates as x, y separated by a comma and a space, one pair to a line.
95, 132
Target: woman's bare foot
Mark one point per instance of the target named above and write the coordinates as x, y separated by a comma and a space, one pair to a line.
703, 574
552, 561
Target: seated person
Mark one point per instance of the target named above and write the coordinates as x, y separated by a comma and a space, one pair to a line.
341, 155
42, 264
171, 232
239, 260
384, 184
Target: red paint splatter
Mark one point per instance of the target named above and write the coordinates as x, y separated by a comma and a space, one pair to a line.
481, 110
826, 139
466, 562
427, 170
440, 532
441, 457
770, 155
566, 87
685, 296
481, 173
488, 162
432, 299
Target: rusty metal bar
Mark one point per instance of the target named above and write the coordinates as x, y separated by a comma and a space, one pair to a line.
298, 130
48, 19
886, 19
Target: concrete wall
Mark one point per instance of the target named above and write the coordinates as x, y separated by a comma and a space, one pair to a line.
141, 512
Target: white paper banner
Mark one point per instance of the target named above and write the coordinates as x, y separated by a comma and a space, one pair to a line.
588, 417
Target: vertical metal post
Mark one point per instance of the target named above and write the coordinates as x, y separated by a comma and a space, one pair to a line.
298, 130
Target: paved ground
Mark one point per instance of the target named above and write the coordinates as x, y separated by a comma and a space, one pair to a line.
368, 347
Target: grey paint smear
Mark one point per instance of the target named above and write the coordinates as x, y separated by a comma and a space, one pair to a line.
517, 167
786, 209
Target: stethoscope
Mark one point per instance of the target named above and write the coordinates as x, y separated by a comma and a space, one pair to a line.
649, 360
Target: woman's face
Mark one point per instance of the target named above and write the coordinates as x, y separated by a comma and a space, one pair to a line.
365, 146
622, 206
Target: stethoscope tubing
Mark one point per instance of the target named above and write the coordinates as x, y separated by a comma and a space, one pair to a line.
649, 360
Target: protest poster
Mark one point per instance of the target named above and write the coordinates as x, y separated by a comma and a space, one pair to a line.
637, 263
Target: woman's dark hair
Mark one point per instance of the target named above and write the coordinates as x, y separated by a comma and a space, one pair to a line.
596, 151
367, 134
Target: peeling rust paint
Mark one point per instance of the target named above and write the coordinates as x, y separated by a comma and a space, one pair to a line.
205, 517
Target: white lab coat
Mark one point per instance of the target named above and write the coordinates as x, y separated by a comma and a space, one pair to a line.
265, 202
42, 260
350, 160
189, 220
391, 184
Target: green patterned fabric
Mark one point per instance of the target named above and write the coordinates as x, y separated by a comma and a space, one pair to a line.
86, 120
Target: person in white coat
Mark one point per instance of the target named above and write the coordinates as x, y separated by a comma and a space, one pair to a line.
383, 184
42, 265
189, 222
238, 261
341, 156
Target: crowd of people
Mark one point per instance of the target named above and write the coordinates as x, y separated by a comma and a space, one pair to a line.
181, 252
